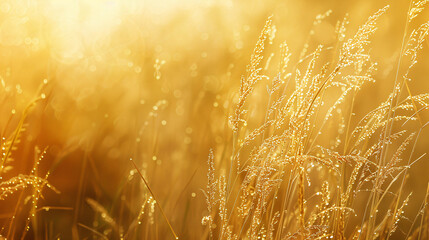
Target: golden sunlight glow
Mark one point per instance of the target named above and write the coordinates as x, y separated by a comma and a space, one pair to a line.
214, 119
75, 26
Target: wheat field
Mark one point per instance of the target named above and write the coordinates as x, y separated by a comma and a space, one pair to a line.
144, 119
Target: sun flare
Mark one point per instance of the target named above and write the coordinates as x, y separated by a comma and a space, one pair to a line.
275, 120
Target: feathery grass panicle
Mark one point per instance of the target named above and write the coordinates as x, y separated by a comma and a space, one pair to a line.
274, 182
313, 145
252, 76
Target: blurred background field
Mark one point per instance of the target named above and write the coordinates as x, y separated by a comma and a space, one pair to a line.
155, 81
